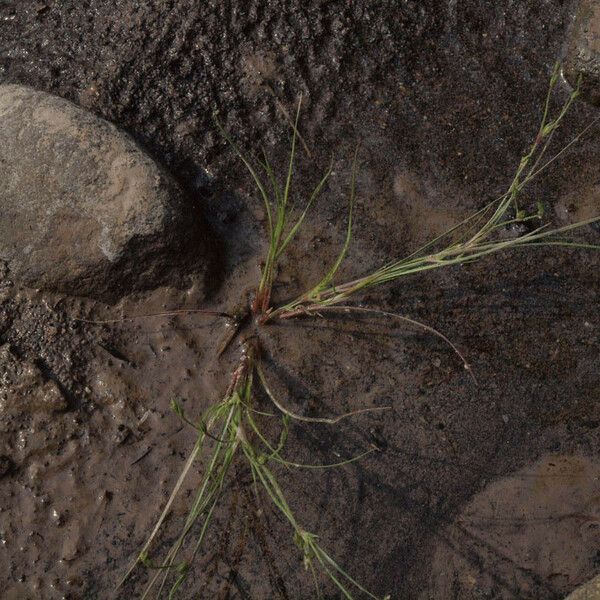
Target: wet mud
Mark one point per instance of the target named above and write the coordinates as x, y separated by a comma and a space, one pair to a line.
533, 532
476, 491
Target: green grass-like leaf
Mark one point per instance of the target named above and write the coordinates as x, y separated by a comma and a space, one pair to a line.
231, 428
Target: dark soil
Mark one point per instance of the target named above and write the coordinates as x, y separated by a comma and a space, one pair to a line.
443, 98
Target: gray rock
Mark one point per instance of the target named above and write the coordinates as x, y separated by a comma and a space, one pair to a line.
83, 209
582, 57
588, 591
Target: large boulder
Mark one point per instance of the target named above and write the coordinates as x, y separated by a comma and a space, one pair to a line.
83, 209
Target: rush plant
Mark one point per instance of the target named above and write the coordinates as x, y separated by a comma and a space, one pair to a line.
233, 428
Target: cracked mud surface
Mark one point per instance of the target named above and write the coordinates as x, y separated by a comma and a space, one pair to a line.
443, 98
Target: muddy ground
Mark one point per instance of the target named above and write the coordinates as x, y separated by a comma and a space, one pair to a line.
478, 491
